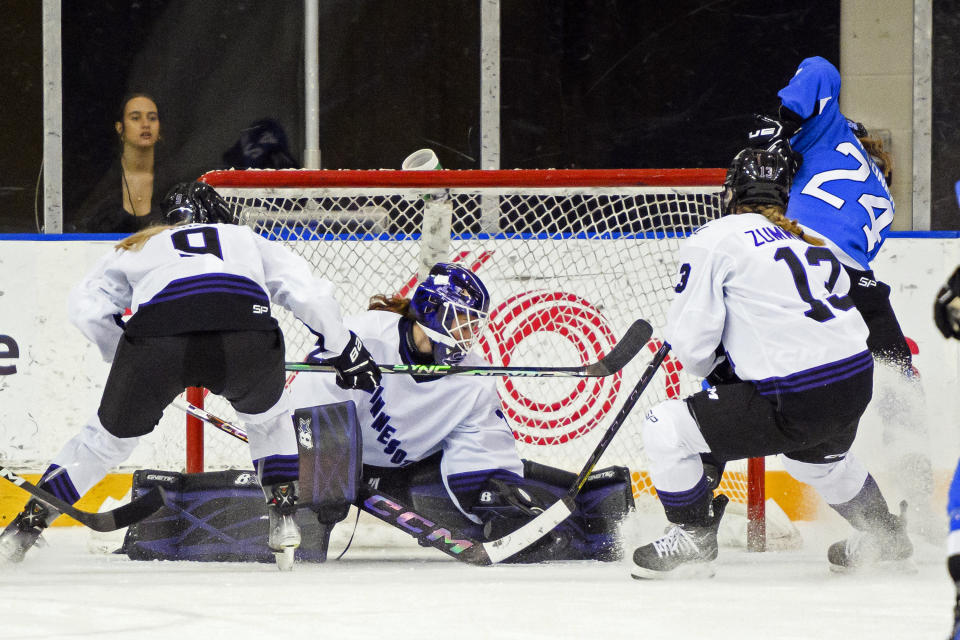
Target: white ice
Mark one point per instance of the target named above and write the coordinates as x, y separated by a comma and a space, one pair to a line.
65, 591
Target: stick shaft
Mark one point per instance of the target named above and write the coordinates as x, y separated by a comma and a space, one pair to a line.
118, 518
628, 405
633, 340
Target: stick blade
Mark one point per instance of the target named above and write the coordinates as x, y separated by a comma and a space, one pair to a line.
509, 545
118, 518
623, 352
138, 509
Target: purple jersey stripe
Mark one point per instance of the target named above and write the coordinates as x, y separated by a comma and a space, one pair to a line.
684, 498
210, 283
817, 376
277, 468
166, 297
57, 481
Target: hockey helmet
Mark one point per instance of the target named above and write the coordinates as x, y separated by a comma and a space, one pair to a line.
758, 177
451, 306
195, 202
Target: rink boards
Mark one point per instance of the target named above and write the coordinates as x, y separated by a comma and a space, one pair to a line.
51, 378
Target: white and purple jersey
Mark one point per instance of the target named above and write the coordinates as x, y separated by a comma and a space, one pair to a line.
777, 304
409, 418
202, 277
838, 193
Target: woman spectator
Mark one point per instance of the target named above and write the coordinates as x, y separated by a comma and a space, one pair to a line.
127, 198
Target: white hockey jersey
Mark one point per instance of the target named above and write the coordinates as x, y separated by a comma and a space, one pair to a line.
777, 304
405, 420
200, 277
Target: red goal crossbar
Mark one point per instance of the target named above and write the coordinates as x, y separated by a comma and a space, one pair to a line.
304, 178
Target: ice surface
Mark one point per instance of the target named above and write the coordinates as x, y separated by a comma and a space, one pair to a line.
65, 591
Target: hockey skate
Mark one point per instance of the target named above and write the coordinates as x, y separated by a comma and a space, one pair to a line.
284, 536
21, 534
684, 551
882, 545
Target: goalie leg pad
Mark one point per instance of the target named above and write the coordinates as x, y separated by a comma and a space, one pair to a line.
590, 533
328, 438
216, 517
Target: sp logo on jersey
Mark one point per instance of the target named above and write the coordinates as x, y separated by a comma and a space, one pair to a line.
260, 309
866, 282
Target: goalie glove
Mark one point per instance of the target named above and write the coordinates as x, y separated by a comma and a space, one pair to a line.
355, 366
946, 307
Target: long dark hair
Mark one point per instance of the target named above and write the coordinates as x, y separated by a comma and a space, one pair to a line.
122, 109
394, 304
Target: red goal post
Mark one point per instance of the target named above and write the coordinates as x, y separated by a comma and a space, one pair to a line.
571, 258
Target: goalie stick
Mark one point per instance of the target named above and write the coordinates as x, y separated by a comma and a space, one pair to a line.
512, 543
461, 547
633, 340
123, 516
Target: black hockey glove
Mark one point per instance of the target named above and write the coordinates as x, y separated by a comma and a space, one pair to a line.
355, 367
505, 507
773, 134
768, 129
723, 371
946, 307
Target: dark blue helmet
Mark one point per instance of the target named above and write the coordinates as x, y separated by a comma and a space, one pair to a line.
451, 306
195, 202
757, 177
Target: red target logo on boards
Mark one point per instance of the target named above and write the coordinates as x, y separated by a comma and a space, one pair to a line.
551, 328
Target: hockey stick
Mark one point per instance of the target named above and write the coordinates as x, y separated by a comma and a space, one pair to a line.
211, 419
633, 340
428, 533
494, 551
512, 543
123, 516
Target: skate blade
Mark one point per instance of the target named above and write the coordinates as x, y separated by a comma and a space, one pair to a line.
688, 571
12, 552
285, 558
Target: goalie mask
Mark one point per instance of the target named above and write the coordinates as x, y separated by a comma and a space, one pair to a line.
757, 177
451, 306
195, 202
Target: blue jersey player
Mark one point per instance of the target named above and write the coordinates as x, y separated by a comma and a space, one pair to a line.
840, 193
946, 315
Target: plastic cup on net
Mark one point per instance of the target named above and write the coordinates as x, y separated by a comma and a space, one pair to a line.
425, 160
421, 160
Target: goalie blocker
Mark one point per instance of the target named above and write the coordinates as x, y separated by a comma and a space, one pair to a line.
220, 516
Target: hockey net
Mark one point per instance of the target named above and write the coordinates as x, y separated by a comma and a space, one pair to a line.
571, 259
